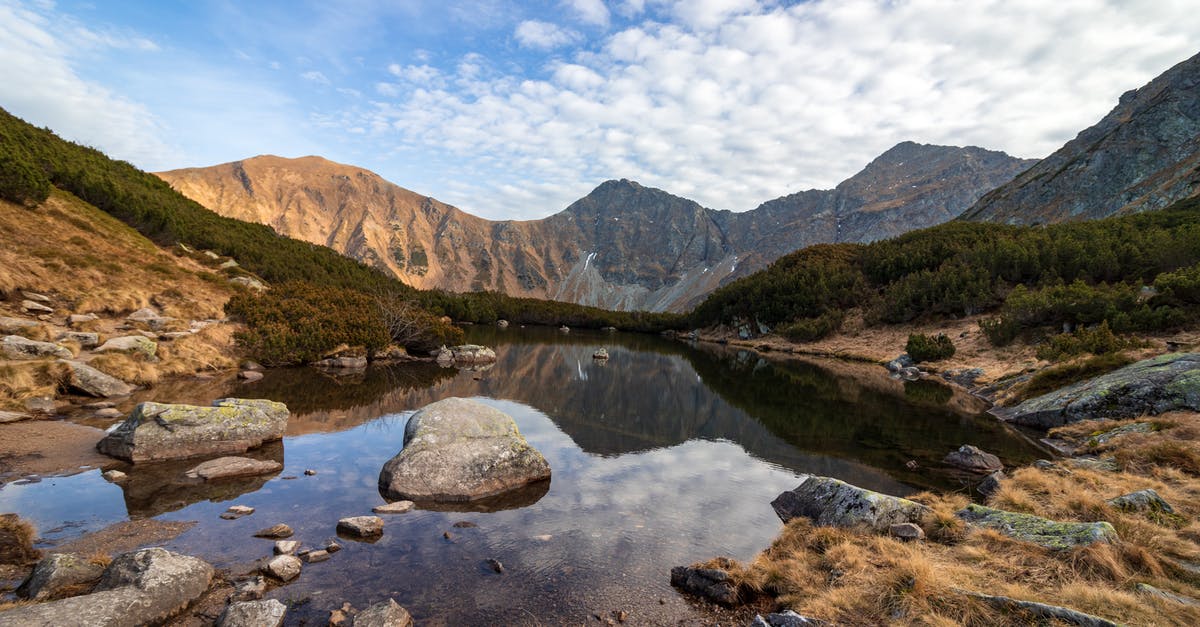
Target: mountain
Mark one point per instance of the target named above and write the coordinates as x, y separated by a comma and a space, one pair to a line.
623, 246
1143, 155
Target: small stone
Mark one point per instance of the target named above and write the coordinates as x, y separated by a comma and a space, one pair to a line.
250, 589
361, 526
446, 535
283, 567
226, 467
12, 416
265, 613
276, 531
973, 459
495, 565
286, 547
385, 614
251, 365
113, 476
622, 616
109, 412
907, 532
34, 296
333, 547
399, 507
1142, 501
240, 510
543, 538
37, 308
464, 524
912, 464
991, 483
339, 617
319, 555
100, 405
309, 472
250, 376
77, 319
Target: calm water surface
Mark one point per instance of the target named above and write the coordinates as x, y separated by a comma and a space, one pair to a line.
665, 455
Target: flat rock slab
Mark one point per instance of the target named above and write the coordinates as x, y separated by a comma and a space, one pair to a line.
835, 503
146, 587
225, 467
283, 567
130, 344
13, 416
399, 507
158, 431
265, 613
1051, 534
92, 382
17, 347
15, 325
1151, 386
460, 450
364, 526
275, 531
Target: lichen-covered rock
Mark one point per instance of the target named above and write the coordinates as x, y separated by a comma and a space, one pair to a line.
1051, 534
385, 614
225, 467
832, 502
135, 344
17, 347
92, 382
973, 459
265, 613
1101, 439
1142, 501
59, 575
145, 587
156, 431
460, 450
1151, 386
713, 584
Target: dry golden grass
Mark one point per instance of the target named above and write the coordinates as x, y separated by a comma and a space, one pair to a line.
210, 349
855, 577
20, 381
128, 368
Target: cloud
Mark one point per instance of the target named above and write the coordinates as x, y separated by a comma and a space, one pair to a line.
735, 103
38, 82
315, 77
544, 35
592, 12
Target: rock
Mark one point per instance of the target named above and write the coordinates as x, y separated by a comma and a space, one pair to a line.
138, 344
108, 413
240, 510
319, 555
156, 431
34, 296
283, 567
35, 307
991, 483
98, 405
385, 614
460, 450
13, 416
342, 362
608, 329
250, 589
1047, 533
907, 531
601, 353
92, 382
250, 375
1087, 462
286, 547
399, 507
900, 363
17, 347
472, 354
15, 325
45, 406
225, 467
60, 575
86, 340
911, 373
788, 618
495, 565
965, 377
333, 547
274, 531
150, 318
1104, 438
973, 459
266, 613
16, 541
171, 336
1149, 590
250, 282
228, 265
1151, 386
1142, 501
114, 476
362, 526
503, 324
309, 472
709, 583
251, 365
78, 319
1041, 610
145, 587
565, 329
831, 502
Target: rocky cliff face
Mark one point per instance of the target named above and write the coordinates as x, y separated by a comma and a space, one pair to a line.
623, 246
1144, 155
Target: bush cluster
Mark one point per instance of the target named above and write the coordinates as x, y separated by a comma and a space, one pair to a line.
1097, 340
922, 347
813, 329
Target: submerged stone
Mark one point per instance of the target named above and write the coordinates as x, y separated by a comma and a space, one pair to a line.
1051, 534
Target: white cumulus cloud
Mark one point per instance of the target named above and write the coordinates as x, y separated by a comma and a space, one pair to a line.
544, 35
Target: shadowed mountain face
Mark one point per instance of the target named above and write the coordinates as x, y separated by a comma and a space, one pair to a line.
1144, 155
623, 246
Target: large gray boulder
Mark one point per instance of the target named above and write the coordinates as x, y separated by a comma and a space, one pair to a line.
59, 575
157, 431
92, 382
1051, 534
145, 587
17, 347
1151, 386
460, 450
831, 502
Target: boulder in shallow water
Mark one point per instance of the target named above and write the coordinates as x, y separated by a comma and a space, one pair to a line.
224, 467
265, 613
460, 450
1051, 534
973, 459
1152, 386
385, 614
713, 584
157, 431
362, 526
835, 503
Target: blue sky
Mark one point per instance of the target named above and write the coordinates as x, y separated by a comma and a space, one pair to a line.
515, 109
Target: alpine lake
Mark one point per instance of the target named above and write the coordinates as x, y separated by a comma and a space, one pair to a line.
666, 454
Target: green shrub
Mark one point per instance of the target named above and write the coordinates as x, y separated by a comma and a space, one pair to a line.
1000, 331
1097, 340
813, 329
21, 181
921, 347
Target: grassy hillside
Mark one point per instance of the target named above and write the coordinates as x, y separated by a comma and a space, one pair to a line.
1137, 273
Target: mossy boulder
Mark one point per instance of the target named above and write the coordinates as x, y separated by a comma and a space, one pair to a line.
158, 431
1051, 534
460, 450
1152, 386
832, 502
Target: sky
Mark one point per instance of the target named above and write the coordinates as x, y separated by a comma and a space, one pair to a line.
513, 110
